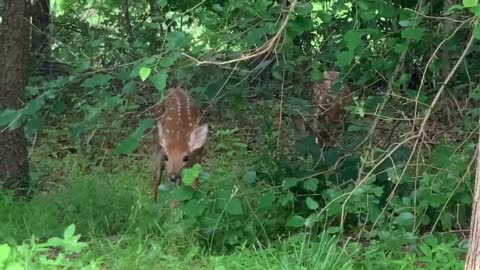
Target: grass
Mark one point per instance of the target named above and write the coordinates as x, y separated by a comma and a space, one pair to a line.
121, 228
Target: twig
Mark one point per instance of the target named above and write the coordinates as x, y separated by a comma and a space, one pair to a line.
267, 47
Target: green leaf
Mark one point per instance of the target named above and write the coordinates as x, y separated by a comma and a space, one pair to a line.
144, 72
234, 207
404, 219
353, 39
476, 31
299, 25
470, 3
177, 40
344, 58
169, 60
475, 10
250, 177
311, 184
405, 23
159, 80
130, 143
277, 75
5, 251
129, 88
311, 220
286, 198
311, 203
296, 221
182, 193
190, 174
14, 266
304, 8
69, 231
289, 182
162, 3
413, 33
455, 7
97, 80
266, 200
315, 75
7, 116
194, 208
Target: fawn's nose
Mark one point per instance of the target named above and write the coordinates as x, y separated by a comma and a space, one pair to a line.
174, 178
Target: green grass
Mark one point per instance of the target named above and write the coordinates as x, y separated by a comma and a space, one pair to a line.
122, 228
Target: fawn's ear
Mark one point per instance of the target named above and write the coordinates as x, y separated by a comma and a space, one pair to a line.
198, 137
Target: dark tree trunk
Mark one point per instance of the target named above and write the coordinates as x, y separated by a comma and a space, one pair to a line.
40, 36
14, 54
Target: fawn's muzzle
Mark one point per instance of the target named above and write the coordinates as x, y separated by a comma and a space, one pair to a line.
174, 178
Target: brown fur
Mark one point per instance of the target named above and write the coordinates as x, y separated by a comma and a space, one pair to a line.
329, 110
177, 117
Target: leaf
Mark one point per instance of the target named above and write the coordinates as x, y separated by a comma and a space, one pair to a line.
194, 208
250, 177
344, 58
130, 143
14, 266
7, 116
475, 10
234, 207
299, 25
353, 39
289, 182
311, 220
286, 198
177, 40
266, 200
311, 203
476, 31
69, 231
5, 251
311, 184
296, 221
455, 7
169, 60
413, 33
470, 3
159, 80
315, 75
97, 80
162, 3
405, 23
190, 174
404, 219
182, 193
129, 88
144, 72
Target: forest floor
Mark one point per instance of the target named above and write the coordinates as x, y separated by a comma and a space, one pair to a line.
121, 228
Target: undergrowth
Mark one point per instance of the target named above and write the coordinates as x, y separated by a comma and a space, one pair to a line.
103, 218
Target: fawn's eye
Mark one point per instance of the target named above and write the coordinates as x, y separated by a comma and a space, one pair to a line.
166, 158
185, 158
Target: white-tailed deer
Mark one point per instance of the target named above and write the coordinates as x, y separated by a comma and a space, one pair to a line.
179, 138
329, 110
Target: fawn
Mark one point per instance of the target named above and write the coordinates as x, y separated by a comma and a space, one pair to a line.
329, 110
179, 138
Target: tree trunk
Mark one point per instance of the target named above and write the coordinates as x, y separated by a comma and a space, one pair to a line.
473, 256
14, 54
40, 37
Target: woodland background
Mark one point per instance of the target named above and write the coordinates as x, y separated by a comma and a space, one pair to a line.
394, 192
